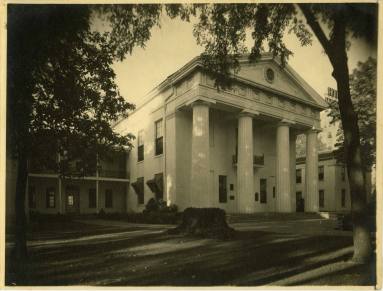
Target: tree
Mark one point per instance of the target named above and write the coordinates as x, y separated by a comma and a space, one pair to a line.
61, 93
363, 95
222, 29
300, 146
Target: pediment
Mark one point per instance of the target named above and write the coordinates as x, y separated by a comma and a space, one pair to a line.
285, 80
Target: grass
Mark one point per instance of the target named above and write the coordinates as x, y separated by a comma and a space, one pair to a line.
72, 253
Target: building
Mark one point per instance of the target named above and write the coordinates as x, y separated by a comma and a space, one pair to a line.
328, 135
333, 187
233, 148
50, 193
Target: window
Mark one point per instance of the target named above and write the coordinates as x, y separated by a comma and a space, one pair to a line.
159, 137
222, 182
92, 198
298, 176
70, 199
51, 197
263, 190
343, 173
140, 194
256, 196
156, 185
321, 198
159, 179
321, 173
140, 147
32, 197
273, 192
343, 198
108, 198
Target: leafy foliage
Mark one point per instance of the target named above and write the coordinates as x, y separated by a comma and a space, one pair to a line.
62, 97
223, 28
363, 94
300, 147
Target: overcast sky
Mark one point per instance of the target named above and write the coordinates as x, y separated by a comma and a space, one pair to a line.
173, 45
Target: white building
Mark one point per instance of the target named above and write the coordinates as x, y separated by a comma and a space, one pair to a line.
233, 149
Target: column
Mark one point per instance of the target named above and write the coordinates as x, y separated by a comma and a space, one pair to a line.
170, 160
282, 178
97, 184
60, 200
97, 195
60, 195
245, 170
311, 183
293, 179
200, 159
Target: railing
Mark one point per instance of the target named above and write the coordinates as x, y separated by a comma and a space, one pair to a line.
113, 174
258, 160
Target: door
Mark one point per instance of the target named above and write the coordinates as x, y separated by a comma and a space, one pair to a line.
72, 200
222, 186
300, 202
263, 190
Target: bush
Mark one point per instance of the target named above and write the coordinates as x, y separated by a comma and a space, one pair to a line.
205, 222
155, 204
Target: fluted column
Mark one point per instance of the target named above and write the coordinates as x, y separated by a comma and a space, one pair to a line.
311, 183
200, 160
293, 138
245, 171
282, 178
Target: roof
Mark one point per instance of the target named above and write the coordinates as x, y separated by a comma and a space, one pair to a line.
196, 62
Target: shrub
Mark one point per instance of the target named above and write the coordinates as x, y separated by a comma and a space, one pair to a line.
155, 204
205, 222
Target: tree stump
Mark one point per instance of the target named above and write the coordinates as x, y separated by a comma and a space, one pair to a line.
204, 222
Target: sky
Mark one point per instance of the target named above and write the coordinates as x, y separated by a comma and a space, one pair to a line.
173, 45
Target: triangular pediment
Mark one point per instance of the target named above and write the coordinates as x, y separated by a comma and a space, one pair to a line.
285, 80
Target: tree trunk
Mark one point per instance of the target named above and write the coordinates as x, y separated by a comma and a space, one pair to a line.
20, 250
335, 48
354, 161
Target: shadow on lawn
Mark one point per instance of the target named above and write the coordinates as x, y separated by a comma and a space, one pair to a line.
151, 258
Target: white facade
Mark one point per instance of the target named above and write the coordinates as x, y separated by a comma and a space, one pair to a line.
233, 149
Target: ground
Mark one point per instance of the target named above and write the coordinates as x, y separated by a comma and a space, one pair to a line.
282, 251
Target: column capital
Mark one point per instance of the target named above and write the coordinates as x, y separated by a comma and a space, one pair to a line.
285, 121
313, 130
248, 112
200, 100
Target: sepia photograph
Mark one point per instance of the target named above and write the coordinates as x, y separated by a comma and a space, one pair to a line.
190, 145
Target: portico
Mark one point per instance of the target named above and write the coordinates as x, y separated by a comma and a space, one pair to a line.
247, 173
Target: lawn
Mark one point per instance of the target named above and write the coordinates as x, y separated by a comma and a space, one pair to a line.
104, 253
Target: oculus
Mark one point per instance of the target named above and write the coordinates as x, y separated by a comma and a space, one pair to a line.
270, 75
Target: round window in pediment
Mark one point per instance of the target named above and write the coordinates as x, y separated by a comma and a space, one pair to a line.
270, 75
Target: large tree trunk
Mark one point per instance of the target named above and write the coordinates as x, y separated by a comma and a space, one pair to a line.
354, 162
335, 48
20, 249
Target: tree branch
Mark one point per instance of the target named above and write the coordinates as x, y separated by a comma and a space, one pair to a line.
318, 31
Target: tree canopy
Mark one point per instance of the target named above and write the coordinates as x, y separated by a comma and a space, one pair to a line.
62, 95
363, 93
